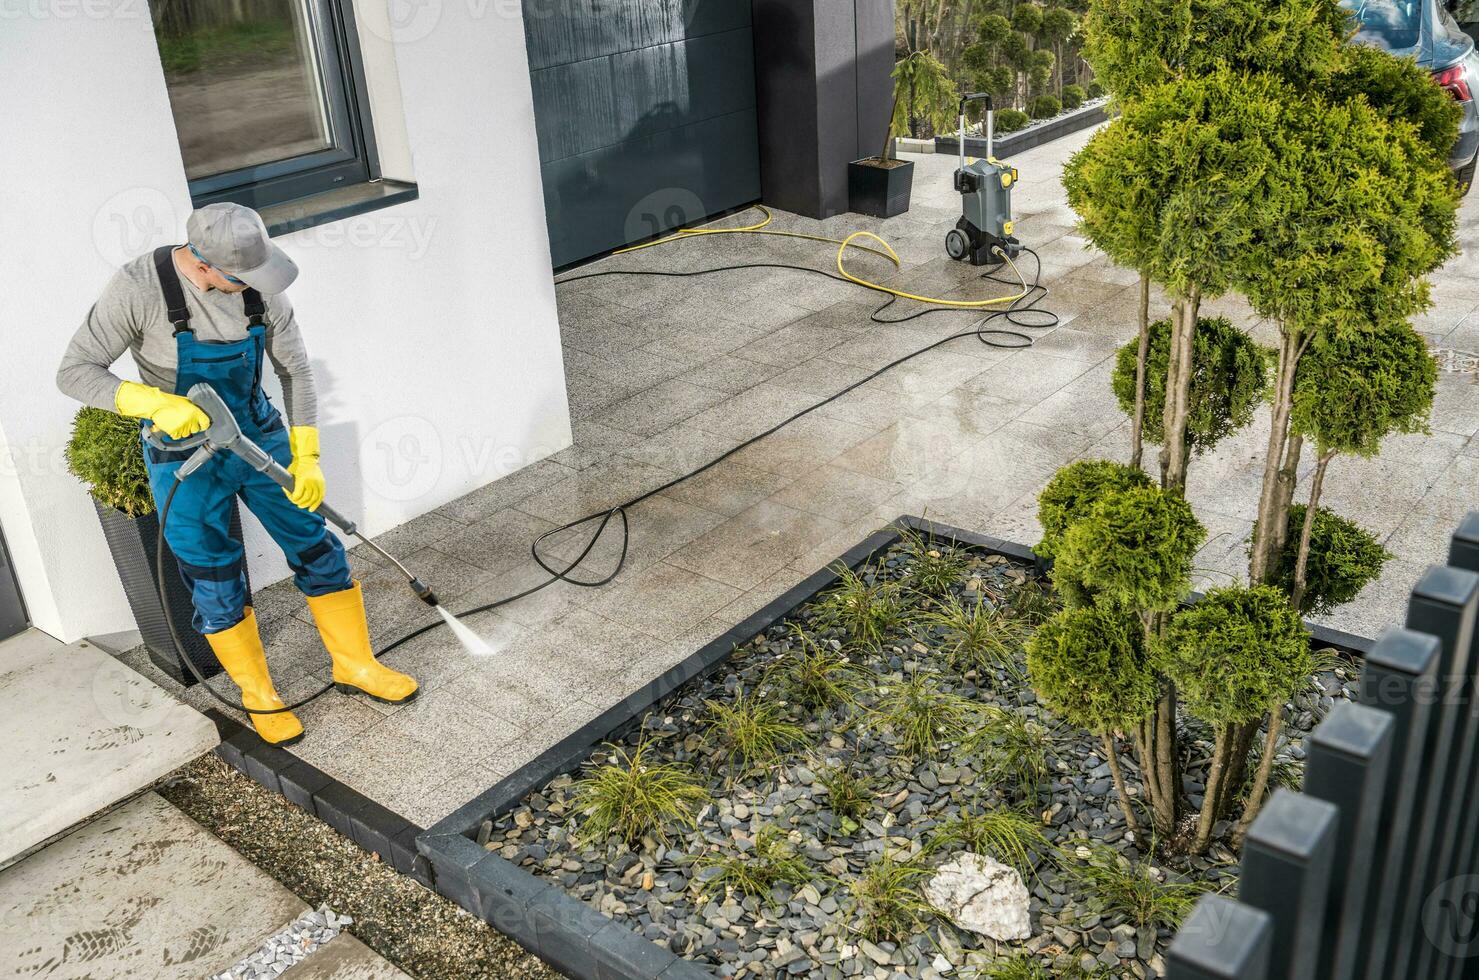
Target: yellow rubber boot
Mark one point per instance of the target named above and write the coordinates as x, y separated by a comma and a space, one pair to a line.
341, 622
240, 651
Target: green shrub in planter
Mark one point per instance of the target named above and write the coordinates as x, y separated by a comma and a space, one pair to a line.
1073, 96
1229, 375
104, 454
1011, 120
1343, 557
1074, 490
1094, 90
1045, 107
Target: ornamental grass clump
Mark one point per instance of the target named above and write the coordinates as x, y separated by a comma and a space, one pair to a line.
850, 796
868, 613
817, 677
887, 899
752, 730
931, 568
1118, 886
770, 861
1236, 656
923, 717
1014, 752
979, 636
630, 798
1089, 666
1014, 838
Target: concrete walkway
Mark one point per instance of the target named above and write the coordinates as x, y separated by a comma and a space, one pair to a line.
81, 732
145, 891
665, 374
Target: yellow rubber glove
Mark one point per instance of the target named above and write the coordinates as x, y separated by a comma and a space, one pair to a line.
176, 415
308, 478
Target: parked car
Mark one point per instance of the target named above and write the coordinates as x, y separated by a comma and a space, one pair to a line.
1440, 34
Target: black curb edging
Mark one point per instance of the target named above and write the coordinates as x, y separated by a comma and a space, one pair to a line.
564, 931
1005, 145
371, 825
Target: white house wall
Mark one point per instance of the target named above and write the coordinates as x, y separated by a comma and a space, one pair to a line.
431, 325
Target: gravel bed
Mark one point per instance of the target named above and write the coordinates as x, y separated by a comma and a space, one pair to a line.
424, 934
660, 888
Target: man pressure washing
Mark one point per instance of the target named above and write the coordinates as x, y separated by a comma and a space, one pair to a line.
210, 311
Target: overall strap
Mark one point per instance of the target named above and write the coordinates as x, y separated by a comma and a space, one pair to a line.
256, 307
169, 285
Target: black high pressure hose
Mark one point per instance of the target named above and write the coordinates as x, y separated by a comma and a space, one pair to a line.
1024, 305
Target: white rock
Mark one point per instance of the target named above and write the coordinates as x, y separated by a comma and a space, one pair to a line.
981, 895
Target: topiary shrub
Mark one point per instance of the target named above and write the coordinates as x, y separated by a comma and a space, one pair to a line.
1074, 490
1343, 558
1088, 666
1045, 107
1236, 655
1353, 390
1094, 90
1073, 96
1133, 550
1010, 120
1229, 375
105, 454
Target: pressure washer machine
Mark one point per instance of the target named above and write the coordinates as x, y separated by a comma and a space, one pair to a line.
985, 186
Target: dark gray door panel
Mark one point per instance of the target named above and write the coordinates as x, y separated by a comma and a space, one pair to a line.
12, 610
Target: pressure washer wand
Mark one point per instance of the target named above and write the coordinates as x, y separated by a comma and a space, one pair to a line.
225, 434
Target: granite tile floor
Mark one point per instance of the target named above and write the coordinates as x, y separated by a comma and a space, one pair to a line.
667, 373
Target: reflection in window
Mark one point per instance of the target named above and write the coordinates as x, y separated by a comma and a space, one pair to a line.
245, 82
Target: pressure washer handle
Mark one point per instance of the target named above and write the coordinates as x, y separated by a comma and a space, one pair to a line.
284, 479
974, 97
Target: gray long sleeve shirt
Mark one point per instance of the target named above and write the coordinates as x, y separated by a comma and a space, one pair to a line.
131, 315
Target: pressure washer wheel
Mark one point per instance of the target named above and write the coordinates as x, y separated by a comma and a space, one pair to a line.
956, 244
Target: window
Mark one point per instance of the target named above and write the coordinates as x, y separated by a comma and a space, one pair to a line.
268, 97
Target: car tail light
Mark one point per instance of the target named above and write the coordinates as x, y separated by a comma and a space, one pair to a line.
1456, 81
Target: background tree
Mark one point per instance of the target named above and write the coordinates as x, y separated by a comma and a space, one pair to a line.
1058, 25
1089, 665
1235, 656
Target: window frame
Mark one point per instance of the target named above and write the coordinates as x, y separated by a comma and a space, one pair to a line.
351, 160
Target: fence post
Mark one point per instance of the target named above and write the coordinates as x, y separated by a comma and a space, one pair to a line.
1286, 872
1399, 676
1443, 604
1463, 552
1221, 940
1349, 754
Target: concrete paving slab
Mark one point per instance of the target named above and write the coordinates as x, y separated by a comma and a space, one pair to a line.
81, 731
144, 891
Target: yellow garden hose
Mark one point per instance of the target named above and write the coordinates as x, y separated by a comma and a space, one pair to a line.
843, 244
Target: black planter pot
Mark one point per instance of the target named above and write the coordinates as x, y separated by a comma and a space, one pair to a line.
131, 541
879, 191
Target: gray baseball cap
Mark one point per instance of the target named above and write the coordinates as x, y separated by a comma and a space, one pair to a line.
232, 238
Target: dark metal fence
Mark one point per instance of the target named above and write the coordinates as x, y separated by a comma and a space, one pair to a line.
1371, 873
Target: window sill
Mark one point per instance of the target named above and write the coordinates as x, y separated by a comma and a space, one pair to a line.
336, 205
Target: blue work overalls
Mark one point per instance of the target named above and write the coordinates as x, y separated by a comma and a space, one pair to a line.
198, 529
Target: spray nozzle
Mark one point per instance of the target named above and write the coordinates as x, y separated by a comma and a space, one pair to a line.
424, 593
